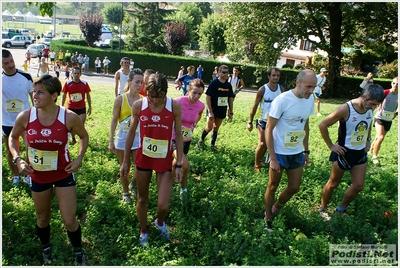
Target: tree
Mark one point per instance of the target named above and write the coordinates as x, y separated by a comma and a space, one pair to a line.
113, 13
333, 23
148, 27
211, 33
91, 25
46, 8
175, 37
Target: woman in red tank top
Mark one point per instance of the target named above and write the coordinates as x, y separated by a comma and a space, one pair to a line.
49, 165
158, 115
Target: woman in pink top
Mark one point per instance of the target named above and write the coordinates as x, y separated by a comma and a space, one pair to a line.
192, 109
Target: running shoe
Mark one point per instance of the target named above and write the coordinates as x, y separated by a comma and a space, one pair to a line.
144, 239
16, 180
27, 179
344, 212
319, 114
183, 194
375, 160
47, 254
267, 159
126, 198
268, 226
324, 214
200, 144
80, 259
133, 190
162, 229
213, 148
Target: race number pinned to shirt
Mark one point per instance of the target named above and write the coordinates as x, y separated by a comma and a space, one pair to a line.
187, 133
155, 148
222, 101
294, 138
126, 124
76, 97
358, 138
14, 105
387, 115
43, 160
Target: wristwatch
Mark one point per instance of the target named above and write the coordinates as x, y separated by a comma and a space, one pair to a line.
178, 166
306, 152
15, 159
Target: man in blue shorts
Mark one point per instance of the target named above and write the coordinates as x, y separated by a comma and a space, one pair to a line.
287, 135
353, 143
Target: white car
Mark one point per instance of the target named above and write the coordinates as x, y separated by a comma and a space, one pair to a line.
45, 41
34, 49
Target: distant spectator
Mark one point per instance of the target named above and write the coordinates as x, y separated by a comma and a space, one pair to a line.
185, 79
321, 78
52, 55
215, 73
132, 65
86, 61
106, 64
97, 64
200, 72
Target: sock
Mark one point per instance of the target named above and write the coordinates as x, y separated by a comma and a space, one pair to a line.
76, 237
341, 208
160, 223
204, 135
214, 137
44, 235
183, 190
143, 231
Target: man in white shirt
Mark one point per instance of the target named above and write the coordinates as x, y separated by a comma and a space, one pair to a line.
321, 78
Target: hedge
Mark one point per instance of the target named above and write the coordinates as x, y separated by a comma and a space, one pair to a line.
254, 76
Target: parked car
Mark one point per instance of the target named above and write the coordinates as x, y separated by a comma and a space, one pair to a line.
4, 35
45, 41
11, 32
34, 49
48, 34
17, 41
24, 31
103, 44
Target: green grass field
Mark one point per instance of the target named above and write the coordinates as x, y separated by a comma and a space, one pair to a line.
222, 222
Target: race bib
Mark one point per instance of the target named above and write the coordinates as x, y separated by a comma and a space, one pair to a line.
358, 138
76, 97
155, 148
294, 138
387, 115
43, 160
222, 101
126, 125
187, 133
14, 105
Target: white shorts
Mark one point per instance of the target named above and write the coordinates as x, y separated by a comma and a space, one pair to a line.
120, 139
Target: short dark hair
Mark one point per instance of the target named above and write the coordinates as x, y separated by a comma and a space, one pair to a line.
6, 53
374, 92
50, 83
272, 69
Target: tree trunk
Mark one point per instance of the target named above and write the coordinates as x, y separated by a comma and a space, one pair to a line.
335, 53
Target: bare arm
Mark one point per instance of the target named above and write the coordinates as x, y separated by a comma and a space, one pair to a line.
340, 114
13, 140
230, 108
63, 97
271, 123
208, 104
124, 170
89, 101
116, 79
253, 111
74, 124
178, 138
114, 122
305, 142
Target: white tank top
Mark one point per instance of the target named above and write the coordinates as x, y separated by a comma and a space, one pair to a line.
123, 78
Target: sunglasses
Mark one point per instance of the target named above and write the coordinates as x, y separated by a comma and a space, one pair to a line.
226, 72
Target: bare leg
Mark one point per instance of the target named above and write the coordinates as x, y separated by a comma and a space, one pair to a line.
333, 182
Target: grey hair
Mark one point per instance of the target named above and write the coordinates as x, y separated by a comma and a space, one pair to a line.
374, 92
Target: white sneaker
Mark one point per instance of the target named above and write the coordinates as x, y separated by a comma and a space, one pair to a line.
267, 159
319, 114
16, 180
126, 198
27, 179
183, 194
162, 229
144, 239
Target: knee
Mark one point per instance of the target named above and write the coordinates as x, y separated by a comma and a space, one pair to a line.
162, 208
70, 223
271, 189
358, 187
185, 166
142, 200
261, 144
380, 138
331, 184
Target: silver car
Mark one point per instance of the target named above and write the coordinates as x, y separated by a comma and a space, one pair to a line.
34, 49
